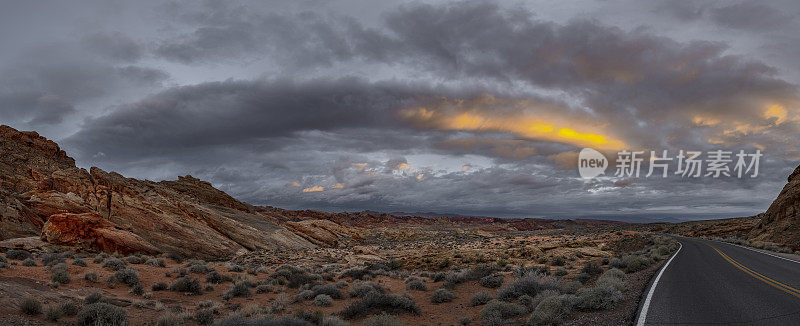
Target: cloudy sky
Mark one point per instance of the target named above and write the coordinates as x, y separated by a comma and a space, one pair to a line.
475, 108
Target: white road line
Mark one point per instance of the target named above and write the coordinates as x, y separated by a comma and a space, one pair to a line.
646, 306
759, 251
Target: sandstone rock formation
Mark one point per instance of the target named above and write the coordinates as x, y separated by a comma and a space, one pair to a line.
781, 222
92, 231
323, 232
188, 216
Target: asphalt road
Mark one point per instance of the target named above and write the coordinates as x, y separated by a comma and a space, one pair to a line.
715, 283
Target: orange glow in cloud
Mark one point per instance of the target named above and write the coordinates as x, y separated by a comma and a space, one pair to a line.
314, 189
338, 186
776, 111
531, 126
705, 121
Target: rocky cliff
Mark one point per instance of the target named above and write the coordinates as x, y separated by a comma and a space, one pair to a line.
781, 222
38, 181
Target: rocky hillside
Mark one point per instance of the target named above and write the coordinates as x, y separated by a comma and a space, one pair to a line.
781, 222
104, 210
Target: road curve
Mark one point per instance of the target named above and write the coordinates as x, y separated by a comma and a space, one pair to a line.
716, 283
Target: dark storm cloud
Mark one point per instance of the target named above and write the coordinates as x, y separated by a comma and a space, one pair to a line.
224, 33
242, 112
43, 86
116, 46
751, 16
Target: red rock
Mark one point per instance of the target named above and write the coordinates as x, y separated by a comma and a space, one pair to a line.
187, 216
91, 231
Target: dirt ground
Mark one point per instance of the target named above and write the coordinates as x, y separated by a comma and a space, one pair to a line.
426, 255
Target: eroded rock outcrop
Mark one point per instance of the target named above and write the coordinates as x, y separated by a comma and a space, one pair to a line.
781, 222
187, 216
92, 231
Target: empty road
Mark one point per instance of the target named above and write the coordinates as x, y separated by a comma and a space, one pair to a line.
715, 283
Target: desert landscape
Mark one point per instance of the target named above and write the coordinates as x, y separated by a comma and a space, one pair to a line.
96, 248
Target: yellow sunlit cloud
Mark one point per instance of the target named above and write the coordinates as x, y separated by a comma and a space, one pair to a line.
314, 189
465, 167
338, 186
403, 166
293, 184
776, 111
527, 126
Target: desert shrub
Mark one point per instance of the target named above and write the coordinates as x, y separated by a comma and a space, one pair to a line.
558, 261
128, 276
592, 268
614, 278
93, 298
155, 262
382, 320
333, 321
217, 278
264, 288
169, 319
415, 283
480, 298
53, 313
583, 277
29, 262
159, 286
561, 271
304, 295
175, 257
68, 308
438, 276
235, 268
617, 263
495, 312
186, 284
374, 301
294, 276
134, 259
102, 314
204, 316
356, 273
79, 262
492, 281
51, 259
60, 274
329, 290
197, 267
361, 289
531, 285
137, 289
635, 263
323, 300
471, 274
600, 297
442, 295
114, 264
30, 306
570, 287
552, 310
18, 254
67, 254
238, 289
